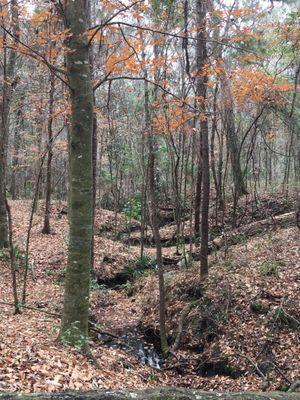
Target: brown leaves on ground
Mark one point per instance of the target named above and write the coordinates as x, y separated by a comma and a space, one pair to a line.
242, 300
248, 313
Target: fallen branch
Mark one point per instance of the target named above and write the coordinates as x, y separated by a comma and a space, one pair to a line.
253, 229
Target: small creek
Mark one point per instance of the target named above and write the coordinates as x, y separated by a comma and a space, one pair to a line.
136, 344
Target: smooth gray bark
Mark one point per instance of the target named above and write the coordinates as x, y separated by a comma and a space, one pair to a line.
74, 327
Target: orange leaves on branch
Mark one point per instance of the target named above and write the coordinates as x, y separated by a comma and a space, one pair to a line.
4, 14
212, 70
41, 17
290, 33
252, 84
244, 34
124, 60
211, 84
172, 117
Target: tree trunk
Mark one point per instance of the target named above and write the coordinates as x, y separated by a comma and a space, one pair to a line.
95, 136
232, 140
201, 92
8, 63
198, 198
155, 224
297, 175
46, 228
152, 394
74, 327
12, 261
14, 188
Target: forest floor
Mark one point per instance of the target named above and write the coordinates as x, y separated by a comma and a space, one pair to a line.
241, 332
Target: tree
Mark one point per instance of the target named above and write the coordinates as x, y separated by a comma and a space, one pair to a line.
74, 327
201, 93
46, 227
232, 139
8, 84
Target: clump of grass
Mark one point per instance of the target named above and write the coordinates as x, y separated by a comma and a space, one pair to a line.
284, 318
99, 287
138, 267
258, 307
269, 268
228, 264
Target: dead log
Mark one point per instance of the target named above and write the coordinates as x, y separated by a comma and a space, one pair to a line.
253, 229
152, 394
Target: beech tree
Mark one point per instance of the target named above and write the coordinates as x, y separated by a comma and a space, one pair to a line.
74, 327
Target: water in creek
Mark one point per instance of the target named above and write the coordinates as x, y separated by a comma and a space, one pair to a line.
135, 344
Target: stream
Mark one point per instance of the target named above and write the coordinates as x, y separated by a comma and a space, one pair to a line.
135, 344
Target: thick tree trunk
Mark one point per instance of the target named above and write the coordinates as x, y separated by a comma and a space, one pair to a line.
9, 63
153, 394
74, 328
232, 140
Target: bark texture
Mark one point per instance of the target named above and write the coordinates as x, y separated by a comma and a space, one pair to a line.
74, 328
8, 66
153, 394
46, 228
201, 92
232, 139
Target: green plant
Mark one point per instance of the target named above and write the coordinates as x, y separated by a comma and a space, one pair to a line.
138, 267
128, 288
96, 286
269, 268
133, 207
50, 272
283, 318
258, 307
144, 262
152, 377
240, 238
228, 263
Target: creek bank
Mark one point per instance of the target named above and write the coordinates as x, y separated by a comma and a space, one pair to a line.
136, 344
